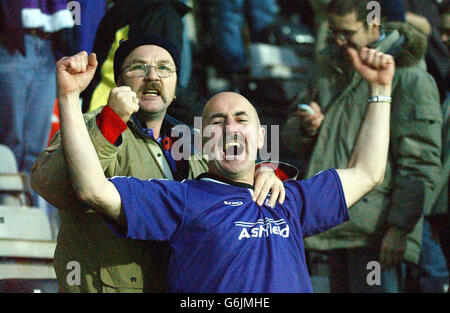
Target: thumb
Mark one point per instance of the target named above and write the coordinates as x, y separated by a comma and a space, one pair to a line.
92, 62
315, 107
355, 58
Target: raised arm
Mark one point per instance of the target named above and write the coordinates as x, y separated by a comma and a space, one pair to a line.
88, 180
367, 164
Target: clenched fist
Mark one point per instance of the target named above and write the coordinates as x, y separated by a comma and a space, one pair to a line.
124, 102
375, 67
73, 74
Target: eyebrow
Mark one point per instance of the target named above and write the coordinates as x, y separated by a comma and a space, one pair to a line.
142, 61
223, 115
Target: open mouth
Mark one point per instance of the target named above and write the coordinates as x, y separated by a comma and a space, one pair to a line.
151, 92
233, 149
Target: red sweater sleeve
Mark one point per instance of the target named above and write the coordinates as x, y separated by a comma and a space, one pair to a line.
110, 124
278, 171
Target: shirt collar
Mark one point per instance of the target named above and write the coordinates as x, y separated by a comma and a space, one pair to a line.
380, 39
166, 127
221, 180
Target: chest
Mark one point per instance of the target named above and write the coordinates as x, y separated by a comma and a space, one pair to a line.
236, 223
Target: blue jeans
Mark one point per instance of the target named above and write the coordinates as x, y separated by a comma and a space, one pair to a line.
186, 56
28, 92
432, 262
231, 16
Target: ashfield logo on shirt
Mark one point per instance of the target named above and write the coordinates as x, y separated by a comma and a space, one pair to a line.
233, 203
263, 228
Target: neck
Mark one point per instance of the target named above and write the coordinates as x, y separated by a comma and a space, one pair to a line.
244, 177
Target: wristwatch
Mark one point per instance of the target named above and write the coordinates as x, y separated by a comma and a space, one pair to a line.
376, 99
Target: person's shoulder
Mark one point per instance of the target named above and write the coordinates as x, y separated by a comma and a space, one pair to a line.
320, 177
91, 114
415, 79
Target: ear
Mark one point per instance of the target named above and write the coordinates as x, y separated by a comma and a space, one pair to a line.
261, 136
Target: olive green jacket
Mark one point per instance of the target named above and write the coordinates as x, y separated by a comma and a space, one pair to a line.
108, 264
415, 142
440, 195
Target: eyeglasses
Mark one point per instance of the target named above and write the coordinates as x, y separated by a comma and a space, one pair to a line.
343, 34
163, 70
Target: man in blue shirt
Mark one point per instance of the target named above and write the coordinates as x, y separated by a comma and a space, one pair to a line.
220, 240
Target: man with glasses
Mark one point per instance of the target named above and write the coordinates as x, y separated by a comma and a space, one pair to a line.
132, 137
386, 225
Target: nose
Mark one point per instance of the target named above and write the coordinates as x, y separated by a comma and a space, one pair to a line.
233, 128
231, 123
152, 74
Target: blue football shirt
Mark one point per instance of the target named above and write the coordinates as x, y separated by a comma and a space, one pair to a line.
221, 240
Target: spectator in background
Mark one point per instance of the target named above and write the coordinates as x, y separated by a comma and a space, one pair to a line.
444, 234
445, 35
31, 33
386, 225
433, 261
229, 48
91, 14
391, 10
424, 14
124, 20
445, 25
320, 23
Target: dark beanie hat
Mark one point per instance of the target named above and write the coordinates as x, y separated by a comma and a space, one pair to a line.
126, 46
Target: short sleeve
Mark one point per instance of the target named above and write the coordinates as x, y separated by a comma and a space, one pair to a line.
320, 202
154, 208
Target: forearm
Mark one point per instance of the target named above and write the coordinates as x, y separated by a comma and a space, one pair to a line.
371, 150
367, 165
88, 179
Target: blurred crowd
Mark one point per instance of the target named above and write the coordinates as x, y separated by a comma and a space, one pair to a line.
279, 54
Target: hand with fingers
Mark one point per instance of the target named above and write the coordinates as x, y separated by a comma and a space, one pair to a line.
311, 122
267, 181
124, 102
393, 248
375, 67
74, 73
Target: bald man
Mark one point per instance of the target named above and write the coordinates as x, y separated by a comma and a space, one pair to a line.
221, 240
